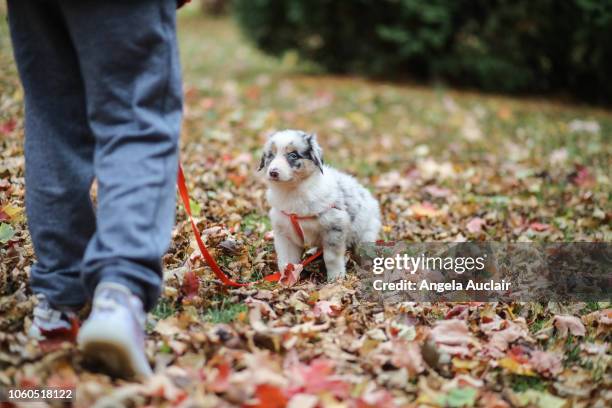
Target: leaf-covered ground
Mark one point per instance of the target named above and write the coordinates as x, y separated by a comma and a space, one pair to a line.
445, 165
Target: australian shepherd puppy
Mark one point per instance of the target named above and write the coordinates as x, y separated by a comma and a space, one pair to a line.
314, 205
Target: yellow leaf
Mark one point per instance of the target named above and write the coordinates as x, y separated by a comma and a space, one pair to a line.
362, 122
510, 311
14, 213
460, 364
424, 210
515, 367
505, 113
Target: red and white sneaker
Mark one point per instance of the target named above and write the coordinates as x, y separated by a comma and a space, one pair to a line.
113, 335
50, 322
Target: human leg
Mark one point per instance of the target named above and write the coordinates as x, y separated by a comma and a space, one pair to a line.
59, 150
128, 56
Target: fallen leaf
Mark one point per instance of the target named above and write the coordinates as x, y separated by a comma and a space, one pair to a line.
269, 396
8, 127
161, 386
221, 380
237, 179
586, 126
519, 354
303, 401
504, 113
515, 367
539, 227
168, 327
325, 307
546, 363
492, 400
582, 177
191, 284
475, 225
500, 340
394, 179
452, 336
230, 246
540, 399
196, 209
424, 210
407, 354
459, 397
6, 233
437, 192
291, 274
316, 377
571, 324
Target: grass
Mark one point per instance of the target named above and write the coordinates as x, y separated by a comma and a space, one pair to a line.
222, 310
225, 312
537, 325
256, 222
224, 56
572, 351
593, 307
163, 309
521, 383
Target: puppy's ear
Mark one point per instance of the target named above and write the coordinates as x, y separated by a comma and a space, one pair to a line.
262, 162
315, 151
266, 151
264, 158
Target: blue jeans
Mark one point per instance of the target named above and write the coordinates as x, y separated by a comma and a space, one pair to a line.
103, 100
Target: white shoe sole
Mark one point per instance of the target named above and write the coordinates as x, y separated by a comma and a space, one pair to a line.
110, 348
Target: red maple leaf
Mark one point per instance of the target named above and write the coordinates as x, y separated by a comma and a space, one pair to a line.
191, 284
582, 177
519, 354
55, 338
318, 377
221, 381
8, 126
539, 227
269, 396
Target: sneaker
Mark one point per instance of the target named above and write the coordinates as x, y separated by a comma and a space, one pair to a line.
50, 322
112, 337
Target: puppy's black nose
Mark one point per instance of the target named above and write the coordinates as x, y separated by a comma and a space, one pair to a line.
274, 174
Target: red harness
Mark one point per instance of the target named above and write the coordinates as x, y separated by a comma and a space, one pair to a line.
295, 221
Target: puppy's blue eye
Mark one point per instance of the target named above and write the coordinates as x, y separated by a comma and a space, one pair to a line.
293, 156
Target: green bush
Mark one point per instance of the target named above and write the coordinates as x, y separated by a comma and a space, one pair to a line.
497, 45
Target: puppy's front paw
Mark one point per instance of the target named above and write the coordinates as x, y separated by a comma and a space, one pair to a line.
334, 263
335, 274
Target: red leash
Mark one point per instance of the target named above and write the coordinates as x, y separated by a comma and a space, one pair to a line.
275, 277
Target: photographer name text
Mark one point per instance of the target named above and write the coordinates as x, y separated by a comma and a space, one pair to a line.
440, 287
